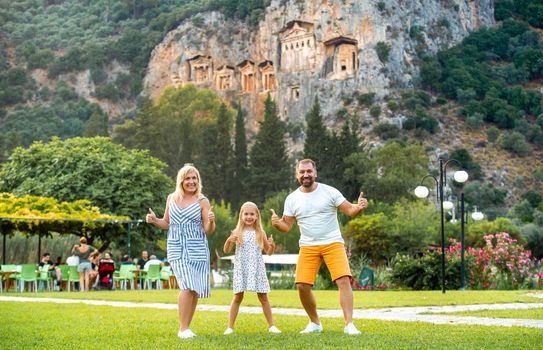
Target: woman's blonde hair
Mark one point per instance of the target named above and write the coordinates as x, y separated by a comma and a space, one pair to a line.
83, 240
240, 227
181, 174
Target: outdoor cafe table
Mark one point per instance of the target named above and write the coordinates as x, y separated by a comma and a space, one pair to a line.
5, 277
137, 274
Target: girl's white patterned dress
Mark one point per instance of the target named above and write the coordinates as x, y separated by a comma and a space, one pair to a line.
249, 268
188, 252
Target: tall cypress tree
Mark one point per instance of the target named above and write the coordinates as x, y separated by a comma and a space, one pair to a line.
217, 156
318, 144
348, 143
268, 162
96, 125
239, 171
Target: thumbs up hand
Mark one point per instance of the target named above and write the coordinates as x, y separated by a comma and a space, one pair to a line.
274, 218
362, 202
150, 218
211, 214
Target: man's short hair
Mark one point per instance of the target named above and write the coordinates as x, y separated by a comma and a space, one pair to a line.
304, 161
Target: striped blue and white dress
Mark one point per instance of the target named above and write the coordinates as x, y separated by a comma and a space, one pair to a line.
188, 252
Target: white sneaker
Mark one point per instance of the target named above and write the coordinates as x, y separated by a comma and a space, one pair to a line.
274, 329
228, 331
351, 329
186, 334
312, 328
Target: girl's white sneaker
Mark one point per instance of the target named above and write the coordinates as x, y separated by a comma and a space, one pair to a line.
351, 329
228, 331
274, 329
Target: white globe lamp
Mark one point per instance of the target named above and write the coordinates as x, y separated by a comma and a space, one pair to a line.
421, 191
448, 205
460, 176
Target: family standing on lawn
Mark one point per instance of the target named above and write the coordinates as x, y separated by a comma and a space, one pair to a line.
189, 219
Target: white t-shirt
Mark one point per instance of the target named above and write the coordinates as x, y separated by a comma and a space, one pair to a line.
316, 214
151, 262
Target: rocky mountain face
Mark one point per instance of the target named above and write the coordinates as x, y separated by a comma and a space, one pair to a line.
303, 49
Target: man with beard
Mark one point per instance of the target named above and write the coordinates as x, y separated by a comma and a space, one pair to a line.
314, 207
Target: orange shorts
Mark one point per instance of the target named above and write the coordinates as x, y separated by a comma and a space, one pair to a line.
310, 258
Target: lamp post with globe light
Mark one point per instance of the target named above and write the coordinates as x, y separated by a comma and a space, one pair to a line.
421, 191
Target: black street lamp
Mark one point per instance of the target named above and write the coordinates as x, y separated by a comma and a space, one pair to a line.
422, 192
476, 216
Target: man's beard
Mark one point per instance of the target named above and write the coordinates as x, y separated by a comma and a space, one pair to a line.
307, 183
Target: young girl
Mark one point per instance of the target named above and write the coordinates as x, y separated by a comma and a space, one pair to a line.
249, 270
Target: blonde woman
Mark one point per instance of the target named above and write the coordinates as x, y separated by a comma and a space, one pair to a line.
189, 219
249, 270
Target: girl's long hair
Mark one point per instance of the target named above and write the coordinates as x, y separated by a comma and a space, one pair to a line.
241, 227
179, 191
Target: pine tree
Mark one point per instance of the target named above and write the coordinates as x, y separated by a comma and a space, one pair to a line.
239, 171
269, 166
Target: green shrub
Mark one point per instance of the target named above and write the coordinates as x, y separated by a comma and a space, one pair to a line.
424, 272
387, 130
393, 106
383, 50
516, 143
365, 99
375, 111
108, 91
492, 134
475, 121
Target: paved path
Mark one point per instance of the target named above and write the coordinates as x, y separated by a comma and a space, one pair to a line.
412, 314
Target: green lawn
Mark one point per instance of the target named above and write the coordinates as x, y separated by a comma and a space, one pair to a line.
74, 326
529, 314
325, 299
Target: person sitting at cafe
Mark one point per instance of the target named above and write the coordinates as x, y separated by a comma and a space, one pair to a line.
53, 269
125, 260
152, 261
143, 260
93, 273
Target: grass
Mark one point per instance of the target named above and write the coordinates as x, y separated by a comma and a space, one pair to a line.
529, 314
59, 326
80, 326
325, 299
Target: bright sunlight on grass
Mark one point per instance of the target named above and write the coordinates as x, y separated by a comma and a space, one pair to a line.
47, 325
58, 326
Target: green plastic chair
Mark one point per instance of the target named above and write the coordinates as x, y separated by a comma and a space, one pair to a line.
153, 275
64, 274
45, 277
165, 275
124, 275
28, 274
73, 277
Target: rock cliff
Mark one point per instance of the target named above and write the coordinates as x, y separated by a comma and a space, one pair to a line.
303, 49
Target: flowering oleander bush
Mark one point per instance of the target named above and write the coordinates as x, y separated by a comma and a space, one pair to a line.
502, 263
